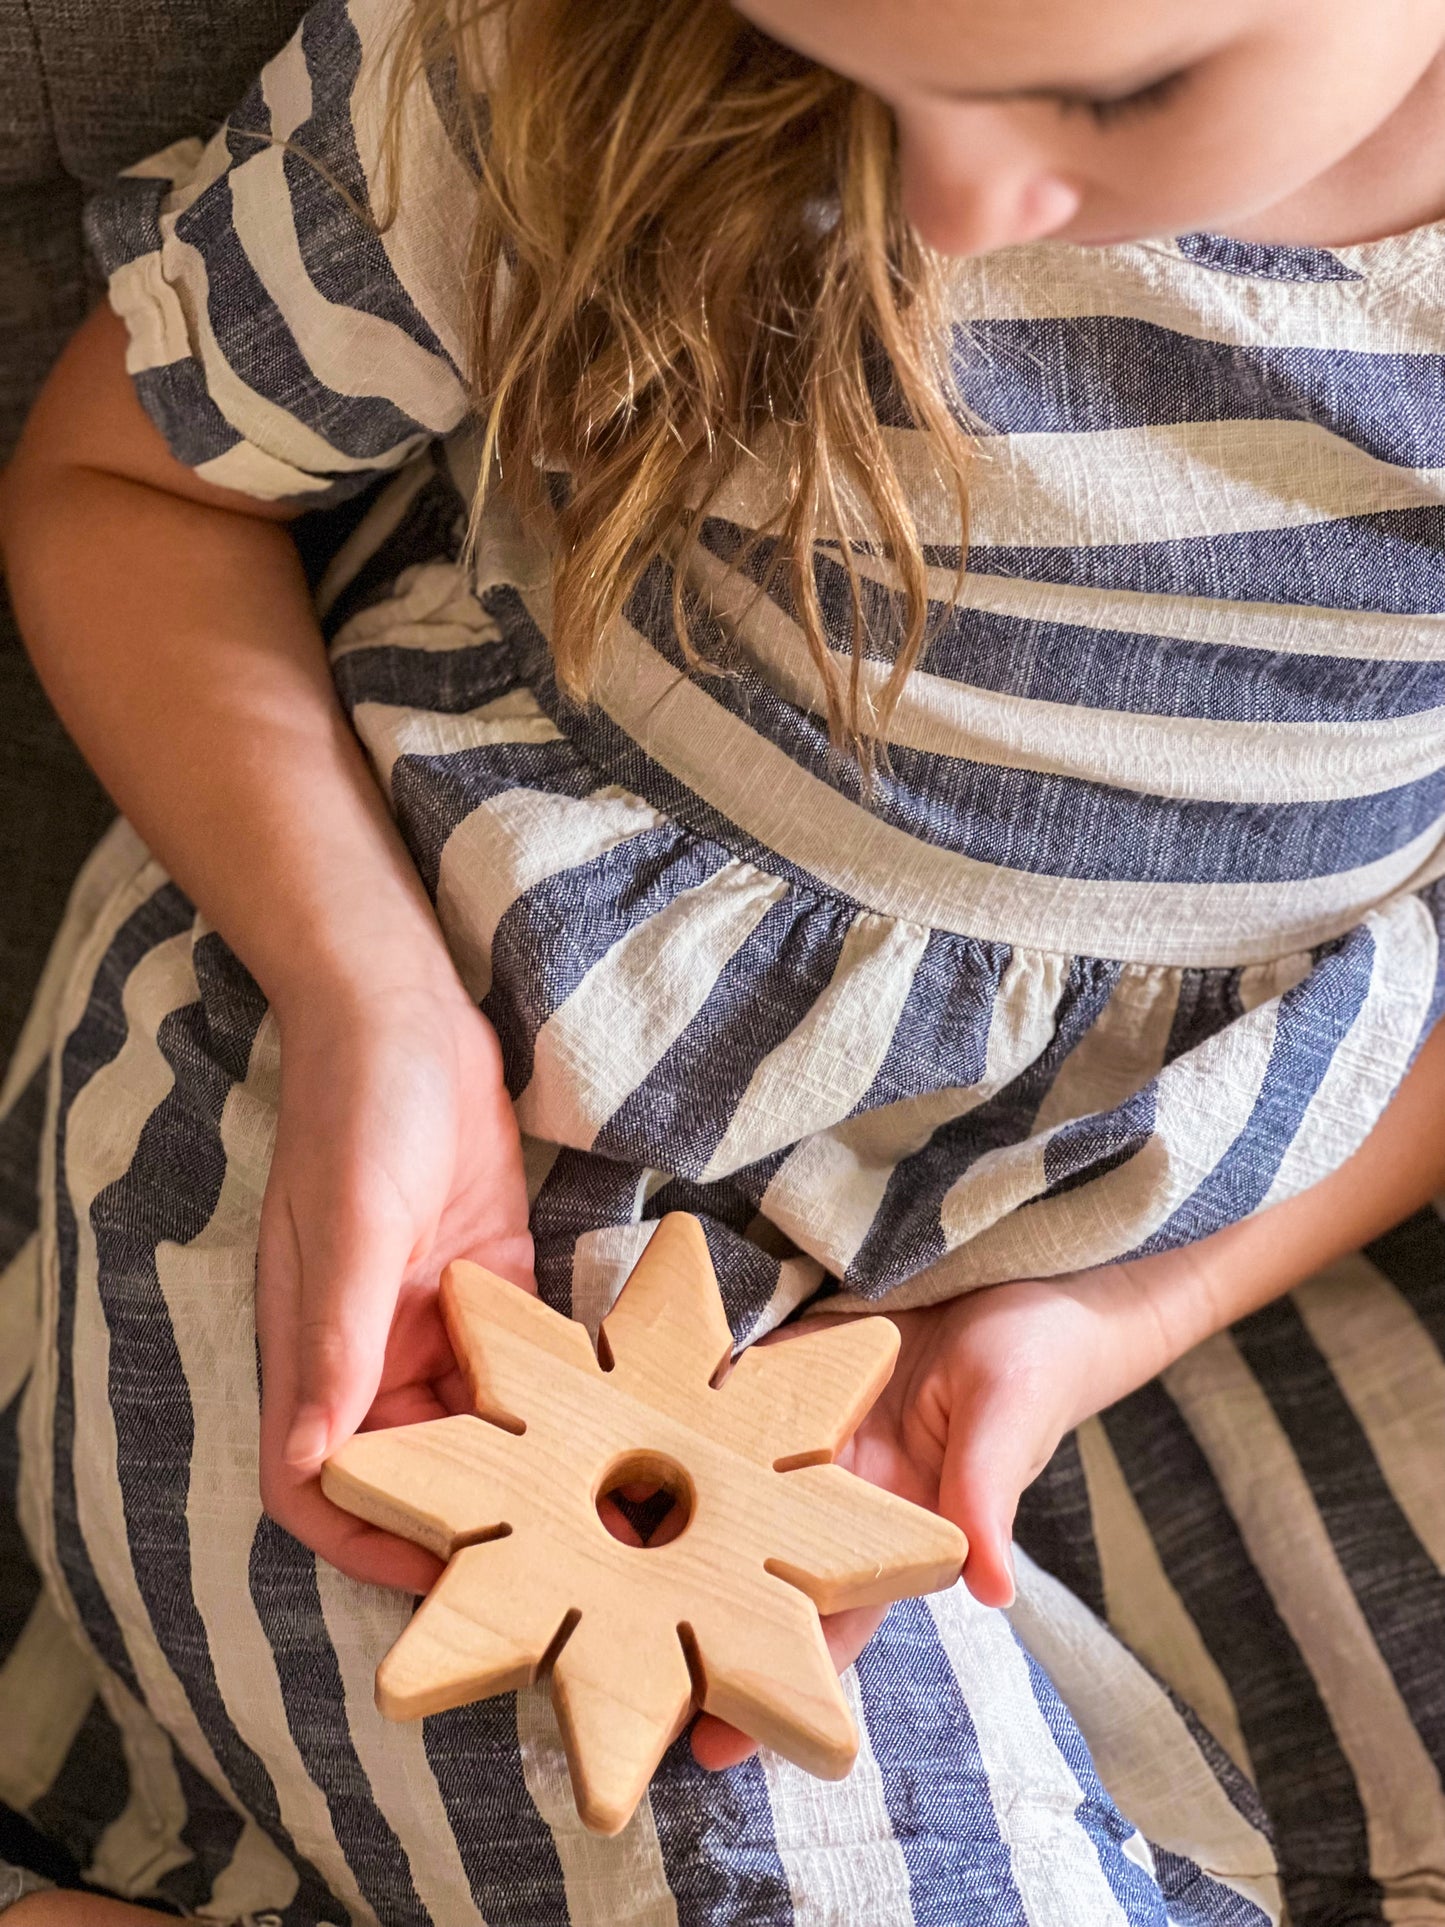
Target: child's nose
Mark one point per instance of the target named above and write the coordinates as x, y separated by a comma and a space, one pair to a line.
974, 204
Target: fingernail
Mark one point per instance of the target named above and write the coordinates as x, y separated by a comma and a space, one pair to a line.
1013, 1583
307, 1440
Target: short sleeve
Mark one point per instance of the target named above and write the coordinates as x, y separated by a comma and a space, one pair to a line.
283, 345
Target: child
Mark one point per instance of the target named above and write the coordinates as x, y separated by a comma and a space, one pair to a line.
1051, 957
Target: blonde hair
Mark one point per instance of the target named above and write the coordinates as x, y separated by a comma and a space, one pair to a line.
688, 251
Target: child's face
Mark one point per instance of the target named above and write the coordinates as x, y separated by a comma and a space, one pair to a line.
1104, 120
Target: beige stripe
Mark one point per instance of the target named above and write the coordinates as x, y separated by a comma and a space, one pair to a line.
435, 193
510, 844
607, 1881
1203, 1102
1142, 1750
1118, 1055
19, 1319
262, 422
1168, 483
1152, 281
814, 1077
1270, 1498
1354, 634
363, 1623
209, 1286
47, 1687
249, 470
256, 1880
1371, 1059
354, 352
144, 1840
381, 520
1191, 480
1196, 758
1032, 1787
96, 898
1283, 628
807, 822
836, 1840
1389, 1369
633, 1004
430, 608
389, 731
1141, 1603
143, 1843
602, 1260
827, 1193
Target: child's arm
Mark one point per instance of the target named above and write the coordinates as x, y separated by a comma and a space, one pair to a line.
986, 1385
171, 624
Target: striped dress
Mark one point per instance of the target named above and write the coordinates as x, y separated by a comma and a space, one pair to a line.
1136, 935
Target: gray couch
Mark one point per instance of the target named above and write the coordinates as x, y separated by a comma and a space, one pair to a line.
86, 86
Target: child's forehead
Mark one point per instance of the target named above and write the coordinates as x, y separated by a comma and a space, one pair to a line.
1001, 45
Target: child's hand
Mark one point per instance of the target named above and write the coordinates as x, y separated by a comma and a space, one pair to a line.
397, 1150
984, 1389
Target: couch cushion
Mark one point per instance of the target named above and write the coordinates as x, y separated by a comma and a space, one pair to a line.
29, 152
124, 77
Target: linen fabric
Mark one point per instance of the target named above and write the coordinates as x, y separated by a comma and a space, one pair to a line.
1137, 934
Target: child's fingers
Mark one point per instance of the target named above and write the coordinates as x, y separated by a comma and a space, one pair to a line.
717, 1745
992, 1455
328, 1318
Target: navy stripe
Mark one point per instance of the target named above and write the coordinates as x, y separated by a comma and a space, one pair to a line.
1312, 1021
90, 1791
1087, 1149
212, 1831
1064, 826
96, 1041
1093, 373
935, 1783
433, 795
344, 257
178, 401
20, 1132
505, 1845
1412, 1257
548, 940
1139, 1898
941, 1037
1209, 1001
747, 1277
618, 758
168, 1195
719, 1852
431, 530
442, 682
1303, 1776
579, 1194
253, 335
1055, 1526
19, 1579
676, 1117
1265, 260
122, 222
906, 1233
1131, 672
283, 1587
1196, 1900
1399, 1588
1391, 563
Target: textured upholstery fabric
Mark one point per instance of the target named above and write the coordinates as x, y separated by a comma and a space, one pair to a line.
86, 86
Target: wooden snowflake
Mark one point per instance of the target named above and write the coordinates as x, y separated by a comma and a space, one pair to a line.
636, 1638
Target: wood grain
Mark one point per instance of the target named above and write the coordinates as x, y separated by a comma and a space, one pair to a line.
724, 1616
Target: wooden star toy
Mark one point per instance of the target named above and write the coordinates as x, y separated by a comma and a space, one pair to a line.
637, 1637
